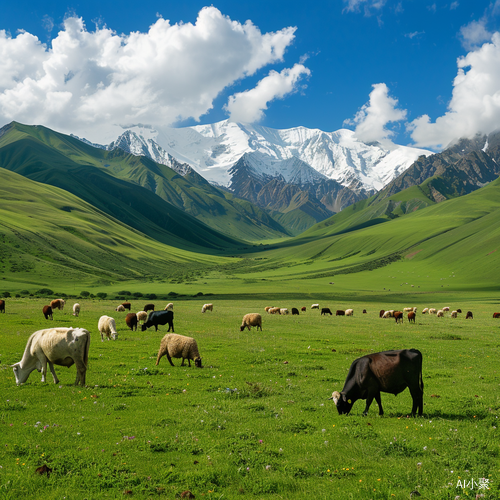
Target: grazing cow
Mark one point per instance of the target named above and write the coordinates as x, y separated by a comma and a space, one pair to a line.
496, 315
2, 306
411, 317
398, 316
126, 305
131, 320
156, 318
388, 371
149, 307
469, 315
326, 310
303, 309
295, 311
340, 313
47, 312
57, 346
57, 304
381, 313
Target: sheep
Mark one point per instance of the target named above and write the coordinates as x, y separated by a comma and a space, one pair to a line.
76, 309
425, 310
454, 314
381, 313
415, 310
2, 306
364, 311
251, 319
142, 316
149, 307
411, 317
295, 311
207, 307
340, 312
131, 320
173, 345
120, 308
303, 308
459, 311
496, 315
407, 309
398, 315
107, 326
126, 305
445, 309
47, 312
315, 306
284, 311
440, 313
274, 310
388, 314
432, 311
267, 309
325, 311
349, 312
469, 315
57, 304
169, 307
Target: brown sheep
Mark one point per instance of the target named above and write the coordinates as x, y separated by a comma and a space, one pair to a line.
131, 320
251, 319
381, 313
126, 305
47, 312
179, 346
398, 316
411, 317
57, 304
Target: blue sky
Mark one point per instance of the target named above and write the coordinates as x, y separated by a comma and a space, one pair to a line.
387, 68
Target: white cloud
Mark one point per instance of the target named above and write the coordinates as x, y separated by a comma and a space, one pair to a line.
368, 5
475, 103
249, 106
474, 34
89, 80
372, 119
454, 5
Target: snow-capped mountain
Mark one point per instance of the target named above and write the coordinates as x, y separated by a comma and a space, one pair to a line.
212, 150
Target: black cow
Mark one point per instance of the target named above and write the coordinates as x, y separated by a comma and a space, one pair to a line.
156, 318
326, 310
388, 371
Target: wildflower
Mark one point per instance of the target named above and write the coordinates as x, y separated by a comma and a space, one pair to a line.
425, 447
268, 467
260, 441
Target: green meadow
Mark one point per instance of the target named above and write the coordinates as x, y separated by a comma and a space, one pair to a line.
256, 421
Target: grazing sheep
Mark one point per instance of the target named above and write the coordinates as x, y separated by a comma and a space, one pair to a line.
398, 316
454, 314
126, 305
131, 320
303, 308
340, 312
496, 315
295, 311
459, 311
349, 312
76, 309
407, 309
179, 346
425, 310
315, 306
284, 311
411, 317
107, 326
440, 313
381, 313
2, 306
274, 310
47, 312
267, 308
469, 315
57, 304
142, 316
120, 308
388, 314
326, 310
445, 309
251, 319
432, 311
149, 307
364, 311
207, 307
169, 307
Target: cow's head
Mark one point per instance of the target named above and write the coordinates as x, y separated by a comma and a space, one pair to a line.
197, 363
343, 404
144, 328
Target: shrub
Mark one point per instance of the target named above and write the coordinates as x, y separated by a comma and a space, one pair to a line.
6, 294
102, 295
137, 294
124, 292
45, 291
84, 294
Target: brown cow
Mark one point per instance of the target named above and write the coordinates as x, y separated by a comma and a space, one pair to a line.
398, 316
150, 307
131, 320
496, 315
340, 313
381, 313
411, 317
469, 315
326, 310
126, 305
388, 371
2, 306
47, 312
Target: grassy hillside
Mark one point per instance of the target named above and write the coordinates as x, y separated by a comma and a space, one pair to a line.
44, 155
50, 237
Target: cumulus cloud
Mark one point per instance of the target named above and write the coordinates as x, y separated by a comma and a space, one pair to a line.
372, 119
249, 106
88, 80
475, 103
474, 34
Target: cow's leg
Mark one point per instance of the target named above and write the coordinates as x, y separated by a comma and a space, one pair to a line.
156, 328
51, 366
378, 399
369, 400
417, 395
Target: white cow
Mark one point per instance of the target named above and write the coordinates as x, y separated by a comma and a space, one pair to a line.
57, 346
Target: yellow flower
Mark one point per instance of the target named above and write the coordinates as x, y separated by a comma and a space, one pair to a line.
328, 470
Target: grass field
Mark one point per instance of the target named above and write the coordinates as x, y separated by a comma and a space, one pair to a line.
255, 422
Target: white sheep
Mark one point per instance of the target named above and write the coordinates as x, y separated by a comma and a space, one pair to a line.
120, 308
446, 309
179, 346
251, 319
274, 310
440, 313
432, 310
407, 309
142, 316
425, 310
284, 310
388, 314
454, 314
349, 312
315, 306
169, 307
267, 309
107, 326
76, 309
207, 307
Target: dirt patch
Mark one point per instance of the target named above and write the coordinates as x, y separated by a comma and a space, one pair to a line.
493, 251
411, 255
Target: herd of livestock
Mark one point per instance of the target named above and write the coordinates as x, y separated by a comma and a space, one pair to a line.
368, 376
